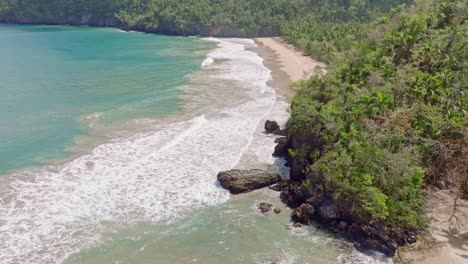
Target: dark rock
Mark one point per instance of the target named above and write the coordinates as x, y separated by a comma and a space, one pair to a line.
297, 166
297, 225
411, 239
355, 233
241, 181
373, 231
392, 245
342, 225
281, 149
328, 212
271, 126
280, 132
372, 238
303, 214
295, 194
277, 211
280, 186
316, 200
280, 139
265, 207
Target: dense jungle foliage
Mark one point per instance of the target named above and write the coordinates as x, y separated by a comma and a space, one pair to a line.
191, 17
393, 105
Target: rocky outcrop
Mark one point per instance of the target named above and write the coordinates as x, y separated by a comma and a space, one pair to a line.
241, 181
303, 214
281, 148
265, 207
313, 204
327, 212
272, 127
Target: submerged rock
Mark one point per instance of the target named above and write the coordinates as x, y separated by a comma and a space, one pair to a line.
277, 211
265, 207
90, 164
241, 181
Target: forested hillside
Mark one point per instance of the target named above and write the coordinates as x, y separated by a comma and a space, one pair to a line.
390, 116
241, 18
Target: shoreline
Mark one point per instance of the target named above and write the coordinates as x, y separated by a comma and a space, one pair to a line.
151, 162
445, 240
289, 62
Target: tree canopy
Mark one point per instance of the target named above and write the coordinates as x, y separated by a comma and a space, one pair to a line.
392, 111
193, 17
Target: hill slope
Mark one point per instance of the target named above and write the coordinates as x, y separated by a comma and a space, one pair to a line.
229, 18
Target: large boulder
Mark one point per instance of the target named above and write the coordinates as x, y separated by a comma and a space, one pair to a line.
241, 181
271, 126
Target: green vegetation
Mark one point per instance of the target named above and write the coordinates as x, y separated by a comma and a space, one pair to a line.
395, 93
191, 17
182, 17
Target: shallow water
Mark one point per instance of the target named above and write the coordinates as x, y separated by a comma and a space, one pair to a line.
235, 232
142, 186
61, 82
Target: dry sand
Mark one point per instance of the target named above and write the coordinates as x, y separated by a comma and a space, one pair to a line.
446, 241
293, 62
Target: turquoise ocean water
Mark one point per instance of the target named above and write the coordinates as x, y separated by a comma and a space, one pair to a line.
110, 143
53, 79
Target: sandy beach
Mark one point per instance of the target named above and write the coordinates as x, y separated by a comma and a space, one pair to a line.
288, 64
446, 241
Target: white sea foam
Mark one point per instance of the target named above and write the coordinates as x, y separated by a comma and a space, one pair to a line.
207, 62
357, 257
49, 213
